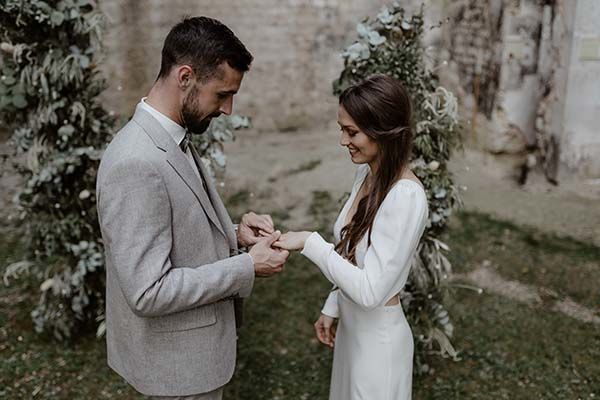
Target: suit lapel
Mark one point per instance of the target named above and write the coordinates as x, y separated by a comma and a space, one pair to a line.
216, 202
178, 161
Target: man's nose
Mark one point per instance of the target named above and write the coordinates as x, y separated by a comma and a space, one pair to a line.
227, 106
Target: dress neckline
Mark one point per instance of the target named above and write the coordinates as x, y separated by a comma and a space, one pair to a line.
356, 188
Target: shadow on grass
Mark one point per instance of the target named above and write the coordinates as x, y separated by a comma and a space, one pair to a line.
569, 267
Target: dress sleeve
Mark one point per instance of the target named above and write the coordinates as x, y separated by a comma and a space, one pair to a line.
396, 231
330, 308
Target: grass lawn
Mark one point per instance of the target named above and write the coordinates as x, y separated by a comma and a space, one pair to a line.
508, 350
567, 266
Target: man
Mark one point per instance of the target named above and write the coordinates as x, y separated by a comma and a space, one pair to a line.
173, 272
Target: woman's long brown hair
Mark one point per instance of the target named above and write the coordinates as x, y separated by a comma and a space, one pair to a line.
381, 108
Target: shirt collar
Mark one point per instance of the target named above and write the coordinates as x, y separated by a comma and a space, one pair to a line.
176, 131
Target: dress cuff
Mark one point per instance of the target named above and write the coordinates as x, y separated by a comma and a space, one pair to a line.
317, 249
331, 307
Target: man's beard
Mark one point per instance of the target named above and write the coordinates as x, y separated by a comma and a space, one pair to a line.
192, 119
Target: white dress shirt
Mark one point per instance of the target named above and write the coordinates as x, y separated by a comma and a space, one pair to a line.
176, 131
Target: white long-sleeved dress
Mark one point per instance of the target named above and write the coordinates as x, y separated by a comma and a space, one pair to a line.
373, 352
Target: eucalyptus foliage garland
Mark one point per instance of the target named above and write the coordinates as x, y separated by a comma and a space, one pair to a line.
49, 88
391, 44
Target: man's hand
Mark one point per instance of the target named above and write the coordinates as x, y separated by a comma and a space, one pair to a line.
292, 240
254, 227
267, 260
325, 328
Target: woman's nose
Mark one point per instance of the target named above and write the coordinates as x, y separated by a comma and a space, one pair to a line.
344, 141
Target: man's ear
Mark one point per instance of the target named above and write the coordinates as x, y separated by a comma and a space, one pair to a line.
185, 74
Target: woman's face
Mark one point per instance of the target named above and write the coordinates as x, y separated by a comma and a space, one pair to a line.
361, 147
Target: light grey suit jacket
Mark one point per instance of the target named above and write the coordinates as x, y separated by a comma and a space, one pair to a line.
171, 277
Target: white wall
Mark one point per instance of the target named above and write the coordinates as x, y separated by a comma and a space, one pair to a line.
580, 140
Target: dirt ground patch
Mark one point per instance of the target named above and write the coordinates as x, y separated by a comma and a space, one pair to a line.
261, 163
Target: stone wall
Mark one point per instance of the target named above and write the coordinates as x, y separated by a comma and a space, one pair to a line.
296, 45
535, 64
531, 68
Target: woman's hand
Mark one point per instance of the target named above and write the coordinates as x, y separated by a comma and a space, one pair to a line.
292, 240
325, 328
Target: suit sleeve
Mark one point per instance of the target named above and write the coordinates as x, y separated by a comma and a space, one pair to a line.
397, 229
135, 217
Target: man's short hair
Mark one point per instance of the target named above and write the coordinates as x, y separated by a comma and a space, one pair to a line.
203, 43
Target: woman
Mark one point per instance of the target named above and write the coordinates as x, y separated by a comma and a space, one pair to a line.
376, 234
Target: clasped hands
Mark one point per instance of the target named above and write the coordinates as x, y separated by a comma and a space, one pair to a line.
270, 248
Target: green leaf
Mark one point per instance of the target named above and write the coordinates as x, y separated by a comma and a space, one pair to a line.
44, 83
17, 90
66, 130
9, 80
57, 18
19, 101
43, 6
84, 61
4, 101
